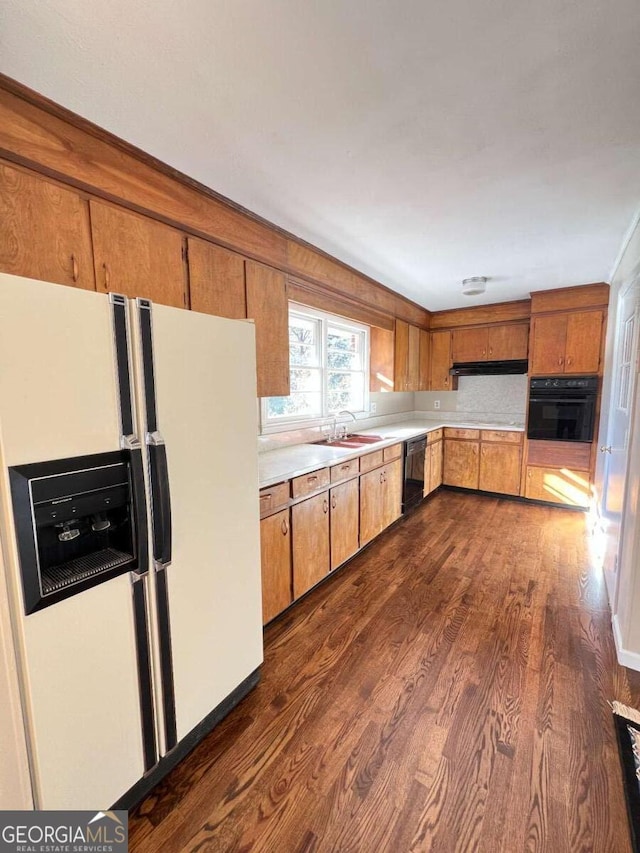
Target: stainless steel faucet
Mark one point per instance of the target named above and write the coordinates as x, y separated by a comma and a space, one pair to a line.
344, 427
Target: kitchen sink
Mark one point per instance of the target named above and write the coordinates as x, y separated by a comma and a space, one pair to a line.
353, 440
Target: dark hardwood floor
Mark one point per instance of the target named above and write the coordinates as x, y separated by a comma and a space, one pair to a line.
448, 691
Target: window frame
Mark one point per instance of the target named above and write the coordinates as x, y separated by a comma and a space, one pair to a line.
326, 319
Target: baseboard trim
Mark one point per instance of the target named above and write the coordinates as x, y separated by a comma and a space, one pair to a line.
144, 786
625, 658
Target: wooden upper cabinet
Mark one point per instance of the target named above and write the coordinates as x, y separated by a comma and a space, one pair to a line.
216, 280
469, 344
567, 343
440, 380
425, 350
137, 256
548, 341
490, 343
381, 361
414, 359
267, 306
45, 231
584, 337
401, 361
508, 342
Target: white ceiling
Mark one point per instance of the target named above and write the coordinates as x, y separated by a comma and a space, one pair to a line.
421, 141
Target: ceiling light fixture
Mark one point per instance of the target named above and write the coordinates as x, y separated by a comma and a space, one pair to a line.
474, 286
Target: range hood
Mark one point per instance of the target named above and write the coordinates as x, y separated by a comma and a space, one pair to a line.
489, 368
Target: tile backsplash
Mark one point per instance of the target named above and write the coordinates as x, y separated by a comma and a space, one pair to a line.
476, 395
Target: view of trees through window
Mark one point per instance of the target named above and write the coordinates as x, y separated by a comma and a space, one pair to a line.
328, 362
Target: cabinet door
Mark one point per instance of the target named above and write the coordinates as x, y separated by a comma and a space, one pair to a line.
371, 505
425, 348
584, 335
548, 342
345, 522
469, 344
401, 362
557, 485
427, 471
436, 465
267, 306
137, 256
275, 554
45, 231
508, 342
440, 361
381, 361
392, 492
500, 468
461, 463
310, 527
414, 359
216, 280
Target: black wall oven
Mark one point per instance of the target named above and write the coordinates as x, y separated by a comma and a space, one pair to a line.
562, 408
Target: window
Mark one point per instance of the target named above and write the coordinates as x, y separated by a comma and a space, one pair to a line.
329, 361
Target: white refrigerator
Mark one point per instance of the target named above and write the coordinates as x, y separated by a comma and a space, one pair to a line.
122, 669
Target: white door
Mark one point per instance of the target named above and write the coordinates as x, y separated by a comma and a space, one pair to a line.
77, 660
205, 383
616, 444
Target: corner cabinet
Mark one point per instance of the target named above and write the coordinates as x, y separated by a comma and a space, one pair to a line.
267, 306
411, 357
439, 379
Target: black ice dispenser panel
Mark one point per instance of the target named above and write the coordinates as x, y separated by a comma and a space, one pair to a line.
74, 524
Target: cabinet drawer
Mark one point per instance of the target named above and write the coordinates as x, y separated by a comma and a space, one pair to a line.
344, 470
393, 452
310, 482
505, 436
273, 498
435, 435
371, 460
460, 432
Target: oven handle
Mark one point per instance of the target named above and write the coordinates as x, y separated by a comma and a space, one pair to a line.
583, 398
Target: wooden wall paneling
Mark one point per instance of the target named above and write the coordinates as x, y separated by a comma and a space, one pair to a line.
317, 296
570, 298
267, 306
481, 315
381, 360
137, 256
45, 231
510, 341
216, 280
37, 133
425, 361
401, 358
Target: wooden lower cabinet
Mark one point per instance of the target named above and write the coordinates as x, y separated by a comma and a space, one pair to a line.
345, 521
275, 555
392, 492
558, 485
432, 467
500, 468
380, 499
461, 465
311, 551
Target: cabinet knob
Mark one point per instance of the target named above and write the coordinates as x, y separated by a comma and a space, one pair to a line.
325, 506
107, 276
74, 268
284, 527
560, 361
484, 352
568, 360
333, 502
490, 350
381, 477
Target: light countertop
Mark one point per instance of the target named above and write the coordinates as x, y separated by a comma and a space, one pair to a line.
287, 462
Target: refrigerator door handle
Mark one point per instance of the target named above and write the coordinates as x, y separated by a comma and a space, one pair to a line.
160, 503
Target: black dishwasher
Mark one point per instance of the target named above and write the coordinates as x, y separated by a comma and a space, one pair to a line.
413, 486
